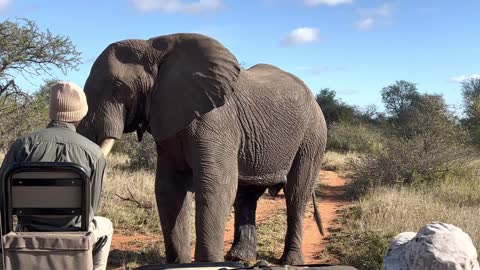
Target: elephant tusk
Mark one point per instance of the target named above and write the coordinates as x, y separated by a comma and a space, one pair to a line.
107, 145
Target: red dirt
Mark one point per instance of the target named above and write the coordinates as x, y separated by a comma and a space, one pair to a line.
132, 242
313, 243
328, 204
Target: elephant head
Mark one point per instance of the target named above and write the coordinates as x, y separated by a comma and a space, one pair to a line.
160, 85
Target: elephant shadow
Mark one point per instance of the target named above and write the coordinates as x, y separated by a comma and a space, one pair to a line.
122, 258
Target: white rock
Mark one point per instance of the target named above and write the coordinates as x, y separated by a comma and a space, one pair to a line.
437, 246
395, 256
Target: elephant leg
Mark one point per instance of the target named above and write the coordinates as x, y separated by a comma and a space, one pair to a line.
244, 246
174, 203
298, 191
215, 178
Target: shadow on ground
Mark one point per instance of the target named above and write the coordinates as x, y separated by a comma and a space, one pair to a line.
126, 259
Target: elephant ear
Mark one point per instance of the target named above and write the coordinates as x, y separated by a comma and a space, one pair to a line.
196, 75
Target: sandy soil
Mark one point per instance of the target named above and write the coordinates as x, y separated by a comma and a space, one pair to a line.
328, 205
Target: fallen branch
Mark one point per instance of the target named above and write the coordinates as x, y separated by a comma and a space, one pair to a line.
131, 198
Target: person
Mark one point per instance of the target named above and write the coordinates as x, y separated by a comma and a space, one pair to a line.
60, 142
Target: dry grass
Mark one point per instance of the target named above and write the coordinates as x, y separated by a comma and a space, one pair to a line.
271, 237
386, 211
128, 197
397, 210
335, 161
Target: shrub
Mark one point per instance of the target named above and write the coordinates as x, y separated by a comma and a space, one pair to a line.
333, 108
334, 161
142, 155
430, 146
407, 161
348, 137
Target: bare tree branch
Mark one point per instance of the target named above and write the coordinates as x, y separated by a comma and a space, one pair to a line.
27, 51
131, 198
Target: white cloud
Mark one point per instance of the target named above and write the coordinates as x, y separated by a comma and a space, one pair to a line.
384, 10
327, 2
4, 4
370, 16
365, 23
462, 78
313, 70
303, 35
172, 6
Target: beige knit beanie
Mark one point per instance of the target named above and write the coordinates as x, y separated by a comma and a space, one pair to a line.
68, 102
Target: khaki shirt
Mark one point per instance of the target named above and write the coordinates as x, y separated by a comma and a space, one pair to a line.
61, 143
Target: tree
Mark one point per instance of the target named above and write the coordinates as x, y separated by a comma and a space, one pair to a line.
334, 109
471, 100
431, 145
399, 99
431, 118
30, 116
27, 51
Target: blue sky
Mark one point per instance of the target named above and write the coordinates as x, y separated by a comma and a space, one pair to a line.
355, 47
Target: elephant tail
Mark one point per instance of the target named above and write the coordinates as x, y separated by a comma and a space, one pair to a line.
316, 215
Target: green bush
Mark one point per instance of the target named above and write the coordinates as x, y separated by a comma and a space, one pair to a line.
333, 108
407, 161
428, 147
22, 115
142, 155
354, 137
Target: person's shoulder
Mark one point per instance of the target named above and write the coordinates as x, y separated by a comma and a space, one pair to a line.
88, 145
30, 136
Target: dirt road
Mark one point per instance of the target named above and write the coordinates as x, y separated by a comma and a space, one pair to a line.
331, 200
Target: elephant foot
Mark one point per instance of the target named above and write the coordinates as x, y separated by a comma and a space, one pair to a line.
292, 258
175, 258
238, 254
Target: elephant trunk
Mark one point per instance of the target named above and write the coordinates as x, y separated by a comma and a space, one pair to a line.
105, 117
107, 145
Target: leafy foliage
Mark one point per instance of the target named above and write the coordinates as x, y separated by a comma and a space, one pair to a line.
471, 99
350, 128
354, 137
142, 155
399, 98
334, 109
431, 145
24, 114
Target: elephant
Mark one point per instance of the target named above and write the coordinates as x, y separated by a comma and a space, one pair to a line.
221, 132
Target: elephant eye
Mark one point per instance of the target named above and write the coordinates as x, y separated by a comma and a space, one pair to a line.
120, 90
117, 83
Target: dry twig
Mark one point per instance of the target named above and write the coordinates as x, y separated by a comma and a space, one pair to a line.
132, 198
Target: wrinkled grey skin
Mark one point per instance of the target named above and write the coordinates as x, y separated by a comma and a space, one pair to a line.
222, 132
